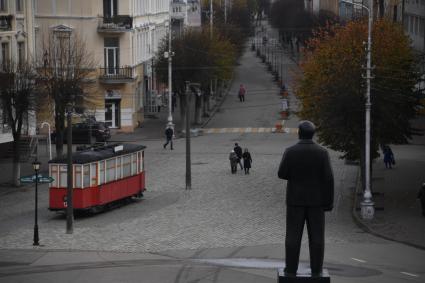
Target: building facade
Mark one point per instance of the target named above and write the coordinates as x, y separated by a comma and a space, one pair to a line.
414, 22
16, 45
122, 37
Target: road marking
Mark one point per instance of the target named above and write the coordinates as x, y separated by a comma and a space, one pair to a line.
409, 274
359, 260
247, 130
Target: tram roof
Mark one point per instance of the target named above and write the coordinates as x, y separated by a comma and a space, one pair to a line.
100, 153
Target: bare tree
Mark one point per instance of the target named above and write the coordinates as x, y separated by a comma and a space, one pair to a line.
17, 94
64, 67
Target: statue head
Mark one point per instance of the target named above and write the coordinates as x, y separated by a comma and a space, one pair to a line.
306, 130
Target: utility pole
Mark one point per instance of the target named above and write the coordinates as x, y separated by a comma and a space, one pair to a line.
170, 66
367, 205
188, 162
69, 203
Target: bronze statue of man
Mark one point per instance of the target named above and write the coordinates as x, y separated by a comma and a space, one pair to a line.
310, 189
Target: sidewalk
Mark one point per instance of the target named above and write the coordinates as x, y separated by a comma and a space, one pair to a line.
401, 219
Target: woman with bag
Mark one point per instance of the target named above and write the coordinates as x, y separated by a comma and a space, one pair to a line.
247, 160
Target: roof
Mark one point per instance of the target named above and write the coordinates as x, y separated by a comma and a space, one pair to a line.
96, 154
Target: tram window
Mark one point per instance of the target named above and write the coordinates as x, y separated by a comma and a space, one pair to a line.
110, 170
86, 176
139, 156
93, 173
126, 166
134, 164
63, 176
119, 173
77, 176
102, 172
54, 175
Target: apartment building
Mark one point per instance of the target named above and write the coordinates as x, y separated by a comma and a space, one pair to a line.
414, 22
16, 45
123, 37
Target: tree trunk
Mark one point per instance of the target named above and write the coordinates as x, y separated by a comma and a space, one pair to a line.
16, 165
60, 128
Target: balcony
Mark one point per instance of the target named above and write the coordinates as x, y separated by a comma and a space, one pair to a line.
178, 10
115, 24
6, 23
116, 75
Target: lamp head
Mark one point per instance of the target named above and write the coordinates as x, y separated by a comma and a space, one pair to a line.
36, 165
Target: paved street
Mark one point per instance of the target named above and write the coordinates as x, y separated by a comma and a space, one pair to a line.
228, 228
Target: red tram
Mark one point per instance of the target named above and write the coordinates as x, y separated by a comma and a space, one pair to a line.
101, 176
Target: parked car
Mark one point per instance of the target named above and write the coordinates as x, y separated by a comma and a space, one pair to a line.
81, 132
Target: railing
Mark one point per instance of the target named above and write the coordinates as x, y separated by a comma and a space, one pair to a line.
118, 23
116, 73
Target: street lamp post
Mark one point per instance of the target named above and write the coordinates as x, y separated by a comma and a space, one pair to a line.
36, 166
69, 190
367, 205
170, 66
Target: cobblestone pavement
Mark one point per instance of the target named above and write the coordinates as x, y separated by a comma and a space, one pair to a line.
222, 210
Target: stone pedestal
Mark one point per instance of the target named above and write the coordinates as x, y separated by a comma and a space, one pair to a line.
303, 275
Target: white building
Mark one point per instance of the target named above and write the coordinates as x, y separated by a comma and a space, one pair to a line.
16, 45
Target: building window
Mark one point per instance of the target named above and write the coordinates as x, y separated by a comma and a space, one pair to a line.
5, 53
21, 53
19, 6
111, 55
3, 5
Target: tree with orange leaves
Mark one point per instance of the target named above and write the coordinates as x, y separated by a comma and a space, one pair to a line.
332, 88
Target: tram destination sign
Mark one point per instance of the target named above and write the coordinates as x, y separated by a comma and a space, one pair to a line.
41, 179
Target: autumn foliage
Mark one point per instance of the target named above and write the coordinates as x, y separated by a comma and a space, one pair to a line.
332, 88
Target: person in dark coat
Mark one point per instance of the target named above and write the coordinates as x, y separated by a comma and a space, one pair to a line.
388, 156
310, 192
247, 160
421, 196
169, 136
238, 151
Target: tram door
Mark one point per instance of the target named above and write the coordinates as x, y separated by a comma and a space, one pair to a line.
112, 113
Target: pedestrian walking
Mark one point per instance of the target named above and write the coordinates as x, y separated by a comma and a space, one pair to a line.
421, 197
169, 136
247, 160
238, 151
158, 102
233, 161
309, 193
241, 93
388, 157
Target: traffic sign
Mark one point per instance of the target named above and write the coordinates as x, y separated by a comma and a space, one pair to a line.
41, 179
45, 179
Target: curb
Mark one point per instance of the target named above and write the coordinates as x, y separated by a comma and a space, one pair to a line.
361, 224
